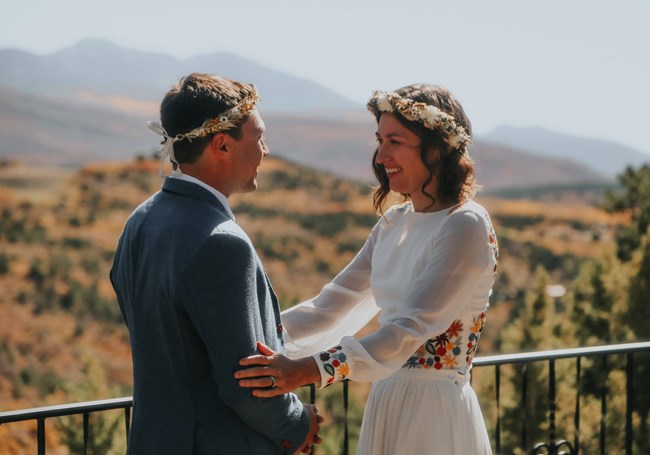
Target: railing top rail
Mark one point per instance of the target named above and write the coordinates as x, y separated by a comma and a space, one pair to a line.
523, 357
65, 409
126, 402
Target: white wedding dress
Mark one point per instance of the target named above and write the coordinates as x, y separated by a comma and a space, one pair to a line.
429, 276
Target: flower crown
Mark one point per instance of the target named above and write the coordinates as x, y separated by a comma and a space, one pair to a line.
429, 116
231, 118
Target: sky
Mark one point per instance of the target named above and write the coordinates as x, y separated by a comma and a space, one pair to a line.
575, 66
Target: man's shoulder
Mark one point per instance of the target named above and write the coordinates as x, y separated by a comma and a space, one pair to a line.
228, 239
229, 231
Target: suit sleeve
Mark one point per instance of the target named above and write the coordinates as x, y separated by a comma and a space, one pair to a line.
220, 291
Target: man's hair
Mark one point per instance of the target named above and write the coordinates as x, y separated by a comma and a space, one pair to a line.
455, 169
193, 100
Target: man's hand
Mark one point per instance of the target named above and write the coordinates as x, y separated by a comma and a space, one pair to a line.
272, 373
314, 427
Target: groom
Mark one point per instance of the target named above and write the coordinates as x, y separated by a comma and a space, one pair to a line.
193, 291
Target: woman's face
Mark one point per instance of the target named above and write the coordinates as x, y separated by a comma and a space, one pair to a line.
399, 153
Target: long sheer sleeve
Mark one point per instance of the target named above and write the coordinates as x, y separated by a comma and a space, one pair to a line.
342, 308
458, 270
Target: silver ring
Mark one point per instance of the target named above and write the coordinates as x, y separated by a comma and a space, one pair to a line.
272, 378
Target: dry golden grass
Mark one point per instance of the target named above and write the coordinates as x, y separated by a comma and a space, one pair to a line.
552, 210
90, 207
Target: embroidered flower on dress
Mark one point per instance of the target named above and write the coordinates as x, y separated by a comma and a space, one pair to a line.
441, 352
335, 364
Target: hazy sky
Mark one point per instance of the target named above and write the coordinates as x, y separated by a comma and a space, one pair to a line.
576, 66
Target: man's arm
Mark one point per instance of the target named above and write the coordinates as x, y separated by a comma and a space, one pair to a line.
219, 292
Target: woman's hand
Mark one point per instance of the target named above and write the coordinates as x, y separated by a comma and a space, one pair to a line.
272, 373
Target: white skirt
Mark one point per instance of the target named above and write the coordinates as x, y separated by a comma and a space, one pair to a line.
418, 411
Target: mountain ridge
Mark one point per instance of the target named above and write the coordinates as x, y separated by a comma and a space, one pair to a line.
604, 156
107, 68
40, 130
91, 100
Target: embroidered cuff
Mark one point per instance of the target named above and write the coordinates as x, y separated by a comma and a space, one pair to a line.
333, 366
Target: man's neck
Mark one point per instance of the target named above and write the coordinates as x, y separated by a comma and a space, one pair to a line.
208, 178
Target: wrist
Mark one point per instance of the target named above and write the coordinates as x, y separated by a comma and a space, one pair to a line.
310, 371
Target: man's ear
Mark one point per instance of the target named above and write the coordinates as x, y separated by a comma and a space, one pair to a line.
220, 143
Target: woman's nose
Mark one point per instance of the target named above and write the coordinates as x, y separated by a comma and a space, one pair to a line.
382, 154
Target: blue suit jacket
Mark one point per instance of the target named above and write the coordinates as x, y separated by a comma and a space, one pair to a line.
195, 298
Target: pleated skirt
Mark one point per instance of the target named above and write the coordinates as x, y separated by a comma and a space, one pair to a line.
418, 411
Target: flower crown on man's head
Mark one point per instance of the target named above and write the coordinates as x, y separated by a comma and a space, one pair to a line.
429, 116
230, 119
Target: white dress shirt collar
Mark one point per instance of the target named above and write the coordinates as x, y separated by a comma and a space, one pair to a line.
177, 174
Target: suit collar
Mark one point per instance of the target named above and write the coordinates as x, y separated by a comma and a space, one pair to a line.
189, 189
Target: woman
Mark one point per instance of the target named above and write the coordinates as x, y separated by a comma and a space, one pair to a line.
427, 268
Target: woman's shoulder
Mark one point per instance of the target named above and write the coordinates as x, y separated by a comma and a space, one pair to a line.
469, 208
468, 213
397, 210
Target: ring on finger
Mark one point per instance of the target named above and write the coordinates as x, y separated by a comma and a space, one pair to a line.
272, 378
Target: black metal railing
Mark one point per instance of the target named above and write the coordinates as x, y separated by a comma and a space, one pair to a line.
554, 445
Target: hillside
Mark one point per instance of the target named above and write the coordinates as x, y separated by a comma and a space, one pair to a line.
38, 130
89, 102
61, 336
605, 157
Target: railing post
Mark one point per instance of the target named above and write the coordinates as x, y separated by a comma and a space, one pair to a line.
553, 446
603, 407
576, 417
551, 400
86, 427
629, 367
346, 436
497, 379
40, 435
524, 406
127, 422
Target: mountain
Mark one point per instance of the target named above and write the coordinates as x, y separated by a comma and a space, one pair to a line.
41, 130
90, 102
37, 129
500, 167
608, 158
103, 68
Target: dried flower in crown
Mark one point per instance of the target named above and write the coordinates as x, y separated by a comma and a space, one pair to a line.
429, 116
226, 121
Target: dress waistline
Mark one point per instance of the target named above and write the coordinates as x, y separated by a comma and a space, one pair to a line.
431, 374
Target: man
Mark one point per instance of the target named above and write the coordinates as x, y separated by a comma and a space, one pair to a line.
193, 291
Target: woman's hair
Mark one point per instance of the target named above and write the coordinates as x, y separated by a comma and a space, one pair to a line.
193, 100
454, 169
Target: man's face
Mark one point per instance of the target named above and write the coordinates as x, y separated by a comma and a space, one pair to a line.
247, 154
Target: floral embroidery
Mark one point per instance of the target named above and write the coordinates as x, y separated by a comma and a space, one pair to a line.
335, 364
492, 238
442, 352
475, 334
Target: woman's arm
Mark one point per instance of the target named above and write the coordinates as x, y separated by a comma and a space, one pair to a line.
342, 307
460, 260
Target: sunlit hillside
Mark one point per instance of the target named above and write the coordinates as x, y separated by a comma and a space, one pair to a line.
61, 335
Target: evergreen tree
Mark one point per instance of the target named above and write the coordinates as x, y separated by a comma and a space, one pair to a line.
637, 319
635, 199
540, 325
